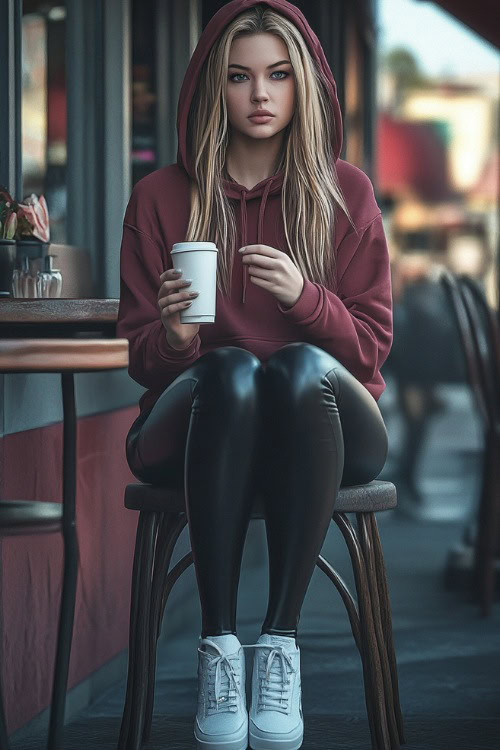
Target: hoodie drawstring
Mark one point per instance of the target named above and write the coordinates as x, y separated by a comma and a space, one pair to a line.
260, 226
243, 207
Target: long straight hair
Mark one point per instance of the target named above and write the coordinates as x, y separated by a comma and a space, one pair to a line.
311, 189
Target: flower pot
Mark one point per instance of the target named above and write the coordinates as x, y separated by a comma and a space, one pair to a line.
32, 248
7, 264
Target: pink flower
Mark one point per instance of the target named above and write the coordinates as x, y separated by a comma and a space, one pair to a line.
36, 211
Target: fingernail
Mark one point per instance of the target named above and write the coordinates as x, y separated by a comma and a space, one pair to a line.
177, 271
241, 249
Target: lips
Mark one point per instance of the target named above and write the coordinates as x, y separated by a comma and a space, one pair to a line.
261, 113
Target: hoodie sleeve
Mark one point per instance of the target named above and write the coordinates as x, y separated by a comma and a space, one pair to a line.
153, 363
355, 323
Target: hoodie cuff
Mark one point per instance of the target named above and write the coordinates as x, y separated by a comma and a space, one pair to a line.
169, 354
305, 305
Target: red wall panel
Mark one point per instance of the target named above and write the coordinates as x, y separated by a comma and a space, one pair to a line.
32, 565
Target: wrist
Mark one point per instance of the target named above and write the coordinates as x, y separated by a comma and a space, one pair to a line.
177, 343
290, 303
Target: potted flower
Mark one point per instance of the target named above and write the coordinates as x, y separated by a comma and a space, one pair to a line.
25, 225
33, 232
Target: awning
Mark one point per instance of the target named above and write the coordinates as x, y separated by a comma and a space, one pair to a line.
482, 16
411, 158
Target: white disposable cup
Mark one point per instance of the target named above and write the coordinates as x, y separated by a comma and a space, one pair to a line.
198, 261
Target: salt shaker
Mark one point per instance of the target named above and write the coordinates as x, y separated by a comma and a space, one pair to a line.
17, 288
50, 279
26, 281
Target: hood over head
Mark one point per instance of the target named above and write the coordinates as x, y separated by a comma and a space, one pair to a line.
209, 36
352, 323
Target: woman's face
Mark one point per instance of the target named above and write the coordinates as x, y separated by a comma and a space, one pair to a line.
261, 86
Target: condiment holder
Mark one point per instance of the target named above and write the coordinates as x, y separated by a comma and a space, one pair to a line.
31, 281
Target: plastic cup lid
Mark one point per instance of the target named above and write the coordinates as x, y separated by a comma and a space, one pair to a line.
182, 247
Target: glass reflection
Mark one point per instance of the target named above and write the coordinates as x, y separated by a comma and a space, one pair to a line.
44, 152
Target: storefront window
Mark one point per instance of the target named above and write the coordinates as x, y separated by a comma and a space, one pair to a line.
144, 147
44, 109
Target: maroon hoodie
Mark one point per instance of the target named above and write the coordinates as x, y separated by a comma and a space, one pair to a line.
353, 324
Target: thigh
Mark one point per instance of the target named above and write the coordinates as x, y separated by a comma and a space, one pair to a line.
363, 428
156, 442
300, 365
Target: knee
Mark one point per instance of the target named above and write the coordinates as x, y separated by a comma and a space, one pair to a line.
229, 373
300, 364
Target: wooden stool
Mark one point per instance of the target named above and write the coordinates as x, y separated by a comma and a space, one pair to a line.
66, 356
162, 518
480, 337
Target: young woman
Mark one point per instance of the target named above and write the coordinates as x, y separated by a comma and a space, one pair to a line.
279, 395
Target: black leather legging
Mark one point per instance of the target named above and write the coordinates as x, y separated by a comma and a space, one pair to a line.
297, 428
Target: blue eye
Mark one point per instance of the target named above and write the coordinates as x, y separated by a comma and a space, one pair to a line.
284, 72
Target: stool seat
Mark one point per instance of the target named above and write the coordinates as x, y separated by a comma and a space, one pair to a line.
29, 517
359, 498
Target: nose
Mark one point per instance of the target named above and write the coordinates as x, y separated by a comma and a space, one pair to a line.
259, 94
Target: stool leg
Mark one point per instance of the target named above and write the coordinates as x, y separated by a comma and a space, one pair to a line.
134, 602
346, 596
488, 529
68, 596
383, 591
4, 742
374, 688
138, 659
170, 528
174, 574
142, 636
365, 533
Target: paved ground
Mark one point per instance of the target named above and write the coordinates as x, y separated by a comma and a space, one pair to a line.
449, 467
448, 657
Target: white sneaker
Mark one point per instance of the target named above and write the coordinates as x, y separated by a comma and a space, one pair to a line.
222, 718
275, 719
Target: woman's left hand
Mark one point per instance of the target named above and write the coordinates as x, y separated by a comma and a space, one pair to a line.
275, 271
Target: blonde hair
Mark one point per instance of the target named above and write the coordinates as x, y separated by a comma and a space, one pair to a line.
311, 188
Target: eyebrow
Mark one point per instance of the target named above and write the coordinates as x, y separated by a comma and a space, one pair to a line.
243, 67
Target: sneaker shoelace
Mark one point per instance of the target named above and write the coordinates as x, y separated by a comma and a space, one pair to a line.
274, 692
223, 686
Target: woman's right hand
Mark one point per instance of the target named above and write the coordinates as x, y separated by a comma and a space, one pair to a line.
172, 298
